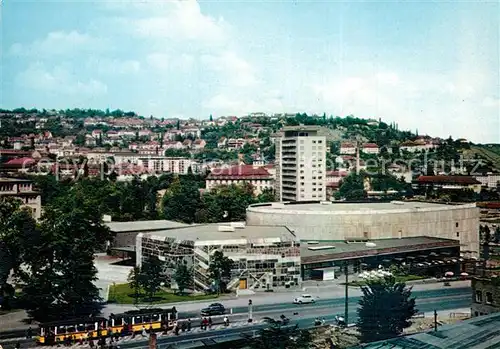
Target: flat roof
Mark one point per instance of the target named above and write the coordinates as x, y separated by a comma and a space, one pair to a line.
343, 250
353, 208
478, 332
210, 232
138, 226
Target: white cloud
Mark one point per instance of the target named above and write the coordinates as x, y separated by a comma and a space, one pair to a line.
236, 70
58, 80
491, 102
160, 61
180, 20
106, 66
431, 103
59, 43
388, 78
238, 103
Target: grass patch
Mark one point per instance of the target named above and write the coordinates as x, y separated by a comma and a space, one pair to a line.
399, 278
123, 294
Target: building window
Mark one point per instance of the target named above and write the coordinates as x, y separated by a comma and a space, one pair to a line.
489, 298
456, 225
458, 234
479, 297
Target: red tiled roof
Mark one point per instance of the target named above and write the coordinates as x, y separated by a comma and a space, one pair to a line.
370, 145
21, 161
448, 179
333, 184
14, 152
239, 172
347, 145
336, 174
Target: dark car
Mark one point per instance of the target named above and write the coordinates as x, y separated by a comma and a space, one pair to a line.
213, 309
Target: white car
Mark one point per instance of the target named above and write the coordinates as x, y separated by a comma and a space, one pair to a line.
304, 299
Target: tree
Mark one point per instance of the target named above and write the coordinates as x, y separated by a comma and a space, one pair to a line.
183, 277
152, 276
18, 233
219, 270
385, 309
228, 203
181, 201
496, 236
59, 275
352, 187
135, 281
267, 195
278, 336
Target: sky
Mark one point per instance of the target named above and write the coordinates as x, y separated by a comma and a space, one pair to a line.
427, 65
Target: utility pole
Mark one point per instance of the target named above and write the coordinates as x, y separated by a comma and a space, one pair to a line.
435, 320
346, 307
250, 310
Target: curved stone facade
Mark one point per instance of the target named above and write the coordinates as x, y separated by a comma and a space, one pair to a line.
341, 221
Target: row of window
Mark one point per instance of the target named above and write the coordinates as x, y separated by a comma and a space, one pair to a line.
479, 297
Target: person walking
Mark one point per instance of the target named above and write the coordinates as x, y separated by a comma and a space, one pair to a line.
29, 333
189, 325
210, 322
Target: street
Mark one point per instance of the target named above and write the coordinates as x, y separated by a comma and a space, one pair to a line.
266, 301
443, 300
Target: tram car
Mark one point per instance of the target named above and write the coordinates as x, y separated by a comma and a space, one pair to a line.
51, 333
136, 320
74, 330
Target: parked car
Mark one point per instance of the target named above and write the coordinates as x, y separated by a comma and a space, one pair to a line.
304, 299
213, 309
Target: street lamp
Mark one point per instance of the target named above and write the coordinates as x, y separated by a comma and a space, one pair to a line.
250, 310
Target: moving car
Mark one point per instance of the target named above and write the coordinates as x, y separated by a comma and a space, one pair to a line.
304, 299
213, 309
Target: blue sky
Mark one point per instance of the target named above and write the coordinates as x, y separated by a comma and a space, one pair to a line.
427, 65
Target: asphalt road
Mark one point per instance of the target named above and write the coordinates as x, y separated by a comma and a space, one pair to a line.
303, 315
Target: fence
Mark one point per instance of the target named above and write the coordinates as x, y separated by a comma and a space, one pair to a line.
459, 315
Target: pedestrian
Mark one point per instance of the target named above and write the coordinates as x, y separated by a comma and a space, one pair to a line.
202, 324
144, 333
210, 322
189, 325
29, 333
91, 342
226, 321
183, 327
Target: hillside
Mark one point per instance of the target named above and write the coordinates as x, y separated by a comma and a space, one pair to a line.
489, 152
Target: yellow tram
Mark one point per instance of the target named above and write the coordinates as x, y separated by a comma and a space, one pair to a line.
136, 320
75, 329
97, 327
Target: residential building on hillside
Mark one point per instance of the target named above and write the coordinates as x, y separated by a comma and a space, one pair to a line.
257, 176
489, 180
448, 183
301, 164
370, 148
264, 257
22, 189
347, 148
160, 164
